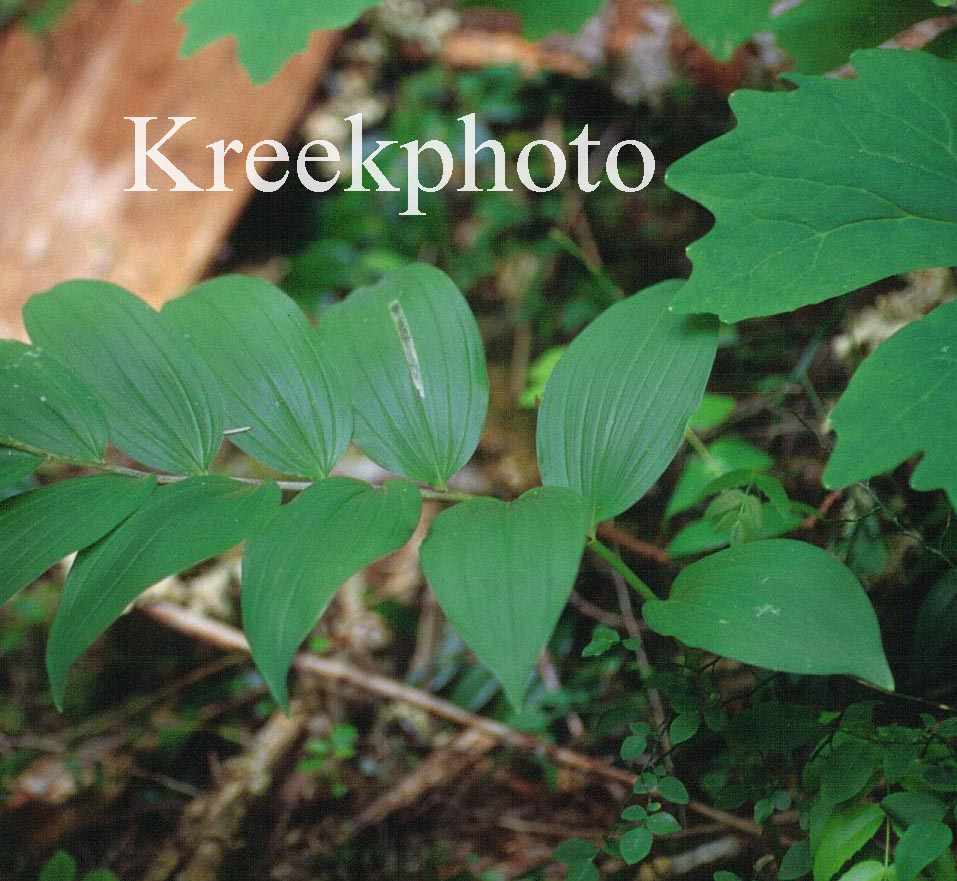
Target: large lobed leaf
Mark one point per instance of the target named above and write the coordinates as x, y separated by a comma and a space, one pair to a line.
902, 401
268, 33
39, 528
779, 604
46, 408
615, 407
502, 573
178, 526
272, 374
161, 405
827, 188
411, 357
819, 34
294, 567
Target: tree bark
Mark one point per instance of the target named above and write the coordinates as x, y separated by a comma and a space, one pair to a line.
66, 151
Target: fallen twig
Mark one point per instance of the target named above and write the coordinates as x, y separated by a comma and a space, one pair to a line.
443, 765
230, 639
212, 821
617, 535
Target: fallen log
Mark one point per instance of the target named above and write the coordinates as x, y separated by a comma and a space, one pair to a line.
66, 150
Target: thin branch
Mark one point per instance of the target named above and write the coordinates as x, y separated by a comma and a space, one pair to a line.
596, 613
292, 486
615, 534
608, 556
230, 639
659, 716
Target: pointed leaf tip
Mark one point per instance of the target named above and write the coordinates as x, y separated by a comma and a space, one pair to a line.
160, 403
761, 603
411, 357
271, 373
615, 407
293, 568
502, 573
178, 526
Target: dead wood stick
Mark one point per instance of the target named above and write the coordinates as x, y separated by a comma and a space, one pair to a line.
596, 613
230, 639
546, 669
212, 821
616, 534
476, 49
644, 666
443, 765
719, 850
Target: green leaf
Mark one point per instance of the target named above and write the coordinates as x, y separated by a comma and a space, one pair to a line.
749, 479
541, 19
825, 189
616, 406
411, 356
919, 846
936, 627
714, 410
633, 747
294, 567
797, 862
635, 845
39, 528
772, 727
844, 834
942, 869
762, 603
723, 25
940, 778
663, 823
160, 403
725, 456
267, 34
673, 790
901, 402
40, 17
575, 850
908, 808
603, 639
60, 867
584, 871
273, 376
45, 407
179, 525
763, 809
14, 466
869, 870
683, 727
502, 573
848, 769
819, 34
708, 535
634, 814
738, 514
